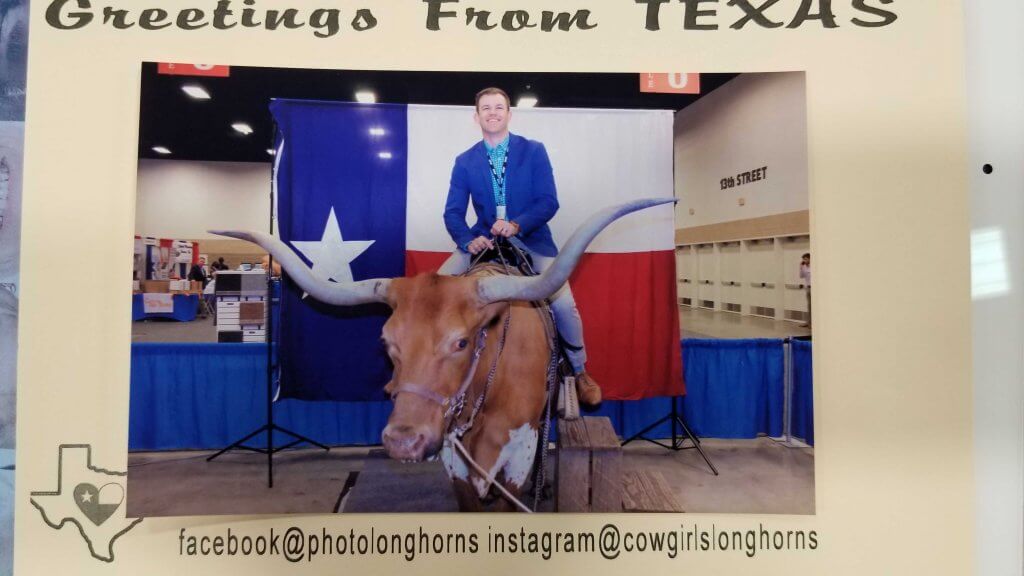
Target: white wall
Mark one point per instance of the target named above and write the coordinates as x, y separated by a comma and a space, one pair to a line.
752, 121
184, 199
995, 75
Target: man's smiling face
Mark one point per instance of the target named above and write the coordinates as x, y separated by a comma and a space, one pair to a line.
492, 114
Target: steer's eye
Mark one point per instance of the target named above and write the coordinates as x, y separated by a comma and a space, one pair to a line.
462, 343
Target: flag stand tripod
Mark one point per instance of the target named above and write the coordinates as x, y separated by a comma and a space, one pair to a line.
676, 418
270, 427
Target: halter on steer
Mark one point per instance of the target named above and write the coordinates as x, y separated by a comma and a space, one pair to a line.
451, 404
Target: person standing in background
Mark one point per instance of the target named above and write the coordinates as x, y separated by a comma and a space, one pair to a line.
198, 273
805, 275
219, 265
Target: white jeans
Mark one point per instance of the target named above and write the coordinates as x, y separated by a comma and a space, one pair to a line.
563, 305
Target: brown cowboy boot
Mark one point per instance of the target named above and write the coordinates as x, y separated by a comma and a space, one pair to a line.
587, 390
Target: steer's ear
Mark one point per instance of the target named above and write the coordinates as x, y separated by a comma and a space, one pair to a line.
491, 313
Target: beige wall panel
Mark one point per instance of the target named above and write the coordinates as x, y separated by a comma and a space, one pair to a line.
790, 223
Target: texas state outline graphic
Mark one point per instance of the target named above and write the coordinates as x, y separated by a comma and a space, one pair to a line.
88, 497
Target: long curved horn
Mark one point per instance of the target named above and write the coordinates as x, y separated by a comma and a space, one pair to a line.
497, 288
336, 293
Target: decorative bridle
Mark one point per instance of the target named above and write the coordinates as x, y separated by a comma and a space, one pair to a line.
452, 405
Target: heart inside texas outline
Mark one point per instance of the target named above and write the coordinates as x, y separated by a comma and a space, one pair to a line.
98, 504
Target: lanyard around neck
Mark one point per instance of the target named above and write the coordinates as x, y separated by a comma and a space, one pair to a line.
499, 178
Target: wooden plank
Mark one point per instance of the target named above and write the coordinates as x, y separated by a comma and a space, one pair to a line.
605, 465
601, 433
647, 491
572, 491
606, 481
572, 435
387, 485
589, 474
572, 476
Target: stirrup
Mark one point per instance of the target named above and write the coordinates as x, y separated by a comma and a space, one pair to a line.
568, 401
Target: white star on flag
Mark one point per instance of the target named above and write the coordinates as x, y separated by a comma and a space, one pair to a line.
332, 255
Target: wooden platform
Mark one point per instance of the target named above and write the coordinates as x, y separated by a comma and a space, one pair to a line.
647, 491
589, 475
386, 485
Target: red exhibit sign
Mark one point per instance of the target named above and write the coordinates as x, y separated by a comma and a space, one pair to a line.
670, 82
193, 69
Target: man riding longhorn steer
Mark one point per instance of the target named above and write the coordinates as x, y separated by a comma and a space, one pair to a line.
445, 338
511, 184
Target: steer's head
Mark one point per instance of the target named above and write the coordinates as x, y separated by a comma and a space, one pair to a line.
431, 338
433, 332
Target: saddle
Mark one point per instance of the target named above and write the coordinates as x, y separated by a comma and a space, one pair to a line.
507, 257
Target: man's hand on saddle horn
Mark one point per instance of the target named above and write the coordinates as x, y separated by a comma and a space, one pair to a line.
505, 228
479, 244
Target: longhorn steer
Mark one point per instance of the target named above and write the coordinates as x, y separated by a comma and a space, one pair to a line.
436, 326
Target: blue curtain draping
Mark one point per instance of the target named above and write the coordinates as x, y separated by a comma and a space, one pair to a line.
186, 396
734, 387
201, 396
803, 392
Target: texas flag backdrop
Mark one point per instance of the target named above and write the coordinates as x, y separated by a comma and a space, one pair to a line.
361, 190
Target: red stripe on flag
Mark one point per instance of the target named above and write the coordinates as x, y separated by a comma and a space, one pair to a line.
631, 323
630, 319
418, 261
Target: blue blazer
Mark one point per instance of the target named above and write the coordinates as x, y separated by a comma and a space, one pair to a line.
529, 191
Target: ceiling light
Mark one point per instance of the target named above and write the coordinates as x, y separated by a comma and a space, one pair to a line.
196, 91
526, 101
242, 128
366, 97
271, 151
377, 131
161, 150
384, 155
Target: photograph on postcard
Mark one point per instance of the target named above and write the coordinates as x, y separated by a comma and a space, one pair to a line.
398, 291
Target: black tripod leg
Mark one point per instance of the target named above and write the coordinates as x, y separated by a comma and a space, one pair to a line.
640, 435
301, 438
696, 444
238, 443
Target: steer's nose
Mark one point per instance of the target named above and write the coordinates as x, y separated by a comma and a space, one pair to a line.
404, 442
